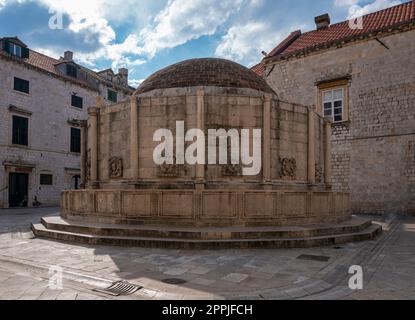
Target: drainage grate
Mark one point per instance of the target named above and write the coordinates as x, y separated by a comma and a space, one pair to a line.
174, 281
313, 258
120, 288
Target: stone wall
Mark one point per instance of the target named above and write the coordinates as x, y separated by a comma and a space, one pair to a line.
373, 151
206, 208
238, 109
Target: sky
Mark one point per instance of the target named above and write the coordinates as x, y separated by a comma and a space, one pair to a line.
147, 35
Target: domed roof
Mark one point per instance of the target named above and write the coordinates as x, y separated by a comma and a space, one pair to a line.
204, 72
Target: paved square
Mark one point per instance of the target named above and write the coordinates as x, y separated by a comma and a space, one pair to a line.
388, 264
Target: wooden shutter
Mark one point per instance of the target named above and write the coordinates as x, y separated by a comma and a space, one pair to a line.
21, 85
24, 131
77, 102
25, 53
75, 140
15, 134
6, 46
20, 134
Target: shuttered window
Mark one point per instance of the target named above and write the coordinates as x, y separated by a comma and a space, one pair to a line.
20, 135
77, 102
71, 70
112, 96
21, 85
75, 140
15, 50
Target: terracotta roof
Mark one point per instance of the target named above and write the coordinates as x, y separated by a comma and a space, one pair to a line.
204, 72
259, 69
374, 22
49, 64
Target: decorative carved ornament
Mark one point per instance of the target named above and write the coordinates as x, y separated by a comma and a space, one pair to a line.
232, 170
319, 173
169, 170
288, 168
116, 167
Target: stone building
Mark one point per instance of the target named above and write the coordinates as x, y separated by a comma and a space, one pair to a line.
362, 75
42, 104
208, 107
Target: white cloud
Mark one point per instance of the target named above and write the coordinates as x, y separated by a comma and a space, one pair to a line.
135, 82
185, 20
245, 42
357, 10
178, 22
345, 3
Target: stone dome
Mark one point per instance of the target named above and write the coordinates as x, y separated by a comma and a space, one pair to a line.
210, 72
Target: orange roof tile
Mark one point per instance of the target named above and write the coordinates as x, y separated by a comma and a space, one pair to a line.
377, 21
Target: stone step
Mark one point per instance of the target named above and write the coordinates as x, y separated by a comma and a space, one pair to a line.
57, 223
170, 243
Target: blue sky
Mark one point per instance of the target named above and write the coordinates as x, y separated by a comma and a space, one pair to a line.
146, 35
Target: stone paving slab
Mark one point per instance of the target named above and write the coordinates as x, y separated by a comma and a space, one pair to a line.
231, 274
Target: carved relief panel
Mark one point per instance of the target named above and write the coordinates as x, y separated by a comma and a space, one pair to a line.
288, 168
115, 168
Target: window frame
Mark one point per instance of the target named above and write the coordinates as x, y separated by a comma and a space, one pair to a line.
12, 50
332, 102
17, 89
75, 97
332, 86
71, 71
109, 98
42, 183
18, 142
71, 144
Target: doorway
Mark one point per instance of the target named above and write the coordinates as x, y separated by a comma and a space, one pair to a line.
18, 190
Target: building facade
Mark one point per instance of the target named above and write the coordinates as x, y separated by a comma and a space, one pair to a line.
43, 102
363, 79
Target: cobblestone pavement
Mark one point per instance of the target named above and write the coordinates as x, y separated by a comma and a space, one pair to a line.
388, 264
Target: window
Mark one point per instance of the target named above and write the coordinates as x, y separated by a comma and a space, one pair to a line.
333, 99
112, 96
77, 102
75, 140
109, 77
333, 102
46, 179
20, 135
21, 85
15, 50
71, 70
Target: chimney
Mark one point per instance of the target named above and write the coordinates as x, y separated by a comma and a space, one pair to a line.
123, 75
68, 55
322, 21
